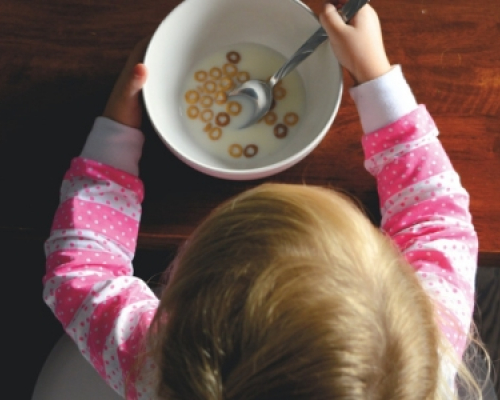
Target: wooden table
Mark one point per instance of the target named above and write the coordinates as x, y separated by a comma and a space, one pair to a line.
60, 58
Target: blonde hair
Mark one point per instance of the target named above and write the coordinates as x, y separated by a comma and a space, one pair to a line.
290, 292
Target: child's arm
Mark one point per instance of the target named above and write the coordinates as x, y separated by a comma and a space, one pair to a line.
425, 209
88, 283
424, 206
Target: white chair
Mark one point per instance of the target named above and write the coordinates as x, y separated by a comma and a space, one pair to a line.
66, 375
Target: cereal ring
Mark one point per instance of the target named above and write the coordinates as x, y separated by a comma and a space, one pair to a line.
280, 131
215, 133
233, 57
251, 150
233, 108
206, 101
210, 86
243, 76
279, 92
206, 115
193, 112
192, 96
222, 119
207, 127
226, 84
200, 76
220, 97
230, 69
235, 150
291, 118
215, 72
270, 118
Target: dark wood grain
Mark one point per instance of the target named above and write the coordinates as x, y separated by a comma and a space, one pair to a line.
60, 59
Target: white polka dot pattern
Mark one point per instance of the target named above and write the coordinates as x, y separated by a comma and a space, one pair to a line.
102, 193
75, 239
425, 210
378, 160
89, 284
420, 191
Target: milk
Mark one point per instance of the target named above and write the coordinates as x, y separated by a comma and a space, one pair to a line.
229, 142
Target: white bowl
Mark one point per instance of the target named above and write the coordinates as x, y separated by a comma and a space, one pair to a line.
198, 28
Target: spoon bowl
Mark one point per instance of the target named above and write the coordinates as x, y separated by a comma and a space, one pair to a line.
259, 93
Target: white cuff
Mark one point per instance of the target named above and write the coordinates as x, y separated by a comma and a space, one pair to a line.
384, 100
114, 144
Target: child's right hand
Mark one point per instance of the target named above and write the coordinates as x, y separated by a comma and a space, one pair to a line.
358, 45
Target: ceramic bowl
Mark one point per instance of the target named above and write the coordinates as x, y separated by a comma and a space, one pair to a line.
197, 28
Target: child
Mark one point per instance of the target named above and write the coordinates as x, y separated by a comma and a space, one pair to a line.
285, 291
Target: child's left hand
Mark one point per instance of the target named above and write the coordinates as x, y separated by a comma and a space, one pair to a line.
123, 105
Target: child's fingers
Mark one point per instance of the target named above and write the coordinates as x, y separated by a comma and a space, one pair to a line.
135, 69
130, 82
331, 20
363, 17
123, 104
337, 3
138, 78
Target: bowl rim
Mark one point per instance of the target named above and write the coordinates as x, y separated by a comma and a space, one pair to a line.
255, 172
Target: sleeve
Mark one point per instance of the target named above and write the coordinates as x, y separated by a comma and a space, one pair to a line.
114, 144
89, 283
424, 207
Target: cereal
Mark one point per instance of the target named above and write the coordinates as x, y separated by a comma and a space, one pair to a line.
226, 83
280, 131
192, 96
270, 118
210, 86
242, 76
291, 118
206, 101
235, 150
193, 112
220, 97
230, 69
233, 57
233, 108
215, 73
206, 115
200, 76
251, 150
209, 111
222, 119
279, 92
215, 133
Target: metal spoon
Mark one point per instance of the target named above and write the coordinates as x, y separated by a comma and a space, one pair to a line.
260, 93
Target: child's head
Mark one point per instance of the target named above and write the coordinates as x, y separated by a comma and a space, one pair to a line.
290, 292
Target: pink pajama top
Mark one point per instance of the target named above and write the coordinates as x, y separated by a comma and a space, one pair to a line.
89, 283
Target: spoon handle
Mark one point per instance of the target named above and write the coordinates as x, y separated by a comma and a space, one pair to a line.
300, 55
347, 11
350, 9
